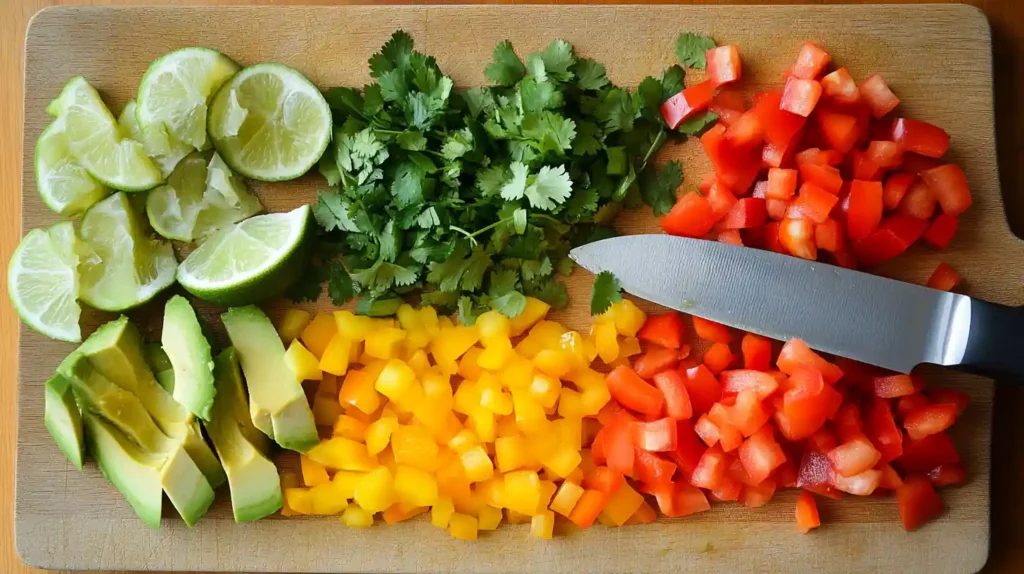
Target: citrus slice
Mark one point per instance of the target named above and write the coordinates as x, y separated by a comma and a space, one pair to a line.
164, 151
42, 280
64, 185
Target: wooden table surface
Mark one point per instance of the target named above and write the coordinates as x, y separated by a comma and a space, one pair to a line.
1007, 20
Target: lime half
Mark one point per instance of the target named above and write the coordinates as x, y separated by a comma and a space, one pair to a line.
121, 266
165, 151
201, 196
42, 280
64, 185
249, 262
95, 141
270, 123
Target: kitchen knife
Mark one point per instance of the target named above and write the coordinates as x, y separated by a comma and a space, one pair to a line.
873, 319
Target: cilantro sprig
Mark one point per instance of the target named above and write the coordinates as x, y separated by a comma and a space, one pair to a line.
606, 290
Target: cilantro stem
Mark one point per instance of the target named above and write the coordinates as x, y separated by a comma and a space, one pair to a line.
659, 140
472, 236
547, 217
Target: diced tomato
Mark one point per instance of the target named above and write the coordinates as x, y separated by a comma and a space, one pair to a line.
664, 329
677, 399
941, 231
797, 355
723, 65
689, 448
711, 331
757, 352
655, 436
890, 478
633, 392
819, 157
718, 357
876, 93
780, 126
861, 484
760, 454
848, 422
800, 96
865, 212
604, 479
881, 429
947, 475
807, 517
839, 87
797, 235
887, 154
928, 420
943, 396
907, 403
810, 63
588, 507
687, 103
896, 186
691, 216
681, 499
925, 454
944, 278
758, 495
839, 130
746, 213
825, 177
864, 168
917, 502
762, 383
854, 457
920, 137
919, 201
950, 186
703, 388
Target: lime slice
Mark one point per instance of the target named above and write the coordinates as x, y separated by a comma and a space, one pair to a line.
201, 196
64, 185
122, 267
174, 95
96, 142
165, 152
43, 282
270, 123
249, 262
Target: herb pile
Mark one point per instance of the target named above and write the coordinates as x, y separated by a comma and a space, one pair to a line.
474, 198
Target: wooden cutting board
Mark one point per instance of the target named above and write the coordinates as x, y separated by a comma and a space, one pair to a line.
938, 60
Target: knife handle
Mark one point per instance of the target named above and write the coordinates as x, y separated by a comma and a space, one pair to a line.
995, 343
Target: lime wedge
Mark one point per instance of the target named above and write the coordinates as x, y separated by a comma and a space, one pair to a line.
174, 95
122, 267
201, 196
249, 262
270, 123
165, 152
64, 185
42, 279
96, 142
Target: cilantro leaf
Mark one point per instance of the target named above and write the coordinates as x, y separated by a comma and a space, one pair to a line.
491, 179
515, 188
582, 204
606, 290
590, 74
510, 304
588, 140
691, 49
532, 270
505, 68
476, 266
649, 98
412, 140
672, 81
395, 54
658, 186
340, 287
378, 306
615, 110
409, 185
537, 95
332, 212
558, 59
549, 132
389, 242
553, 293
698, 124
447, 273
428, 218
468, 311
480, 100
549, 189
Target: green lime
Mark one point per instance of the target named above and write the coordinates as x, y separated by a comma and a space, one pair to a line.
200, 197
121, 267
96, 142
42, 280
270, 123
249, 262
64, 185
164, 151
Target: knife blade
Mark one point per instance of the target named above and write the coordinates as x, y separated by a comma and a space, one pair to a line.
873, 319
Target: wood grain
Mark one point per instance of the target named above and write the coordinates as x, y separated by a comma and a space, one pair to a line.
738, 537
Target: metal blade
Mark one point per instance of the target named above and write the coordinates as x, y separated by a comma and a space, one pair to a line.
872, 319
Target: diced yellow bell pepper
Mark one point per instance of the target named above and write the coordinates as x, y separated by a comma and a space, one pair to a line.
313, 473
534, 311
355, 352
335, 357
522, 491
437, 389
606, 340
629, 346
493, 325
542, 525
517, 372
387, 459
419, 362
482, 422
530, 415
548, 334
451, 478
495, 400
622, 504
570, 404
355, 517
563, 460
442, 424
574, 346
505, 426
350, 427
463, 441
511, 453
441, 512
326, 500
566, 497
542, 441
408, 317
398, 512
628, 318
463, 526
383, 343
491, 491
553, 362
354, 327
318, 334
415, 340
594, 398
490, 517
445, 323
513, 517
345, 481
570, 432
293, 322
547, 492
468, 367
414, 446
545, 389
414, 486
328, 386
450, 344
477, 464
589, 349
429, 320
375, 490
302, 362
341, 453
496, 353
576, 476
466, 398
288, 480
300, 500
326, 410
378, 434
357, 390
396, 380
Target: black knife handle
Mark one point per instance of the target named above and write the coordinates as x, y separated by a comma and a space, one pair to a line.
995, 344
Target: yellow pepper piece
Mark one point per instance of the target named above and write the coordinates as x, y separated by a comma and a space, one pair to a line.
328, 386
419, 362
350, 427
547, 492
513, 517
415, 340
441, 512
442, 424
355, 351
565, 459
375, 490
398, 512
408, 317
570, 403
429, 320
495, 400
326, 500
300, 500
355, 517
606, 341
378, 434
496, 353
570, 432
341, 453
522, 491
383, 343
288, 480
335, 357
490, 517
545, 389
318, 334
466, 397
534, 311
468, 364
542, 525
313, 473
303, 363
493, 325
629, 346
506, 426
622, 504
543, 441
594, 398
450, 344
530, 416
547, 334
326, 410
477, 464
464, 440
566, 497
517, 372
396, 380
357, 390
576, 476
354, 327
413, 445
482, 422
511, 452
463, 526
345, 482
554, 363
491, 491
415, 487
628, 318
293, 322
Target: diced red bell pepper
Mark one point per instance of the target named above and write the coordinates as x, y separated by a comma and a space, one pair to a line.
781, 183
807, 517
839, 130
706, 430
677, 398
737, 168
797, 235
800, 96
757, 352
746, 213
718, 357
861, 484
810, 62
728, 490
710, 470
891, 479
944, 278
941, 231
797, 355
865, 212
691, 216
892, 386
758, 495
854, 457
896, 187
730, 236
829, 236
618, 447
802, 417
721, 199
917, 501
664, 329
875, 92
892, 237
761, 454
815, 474
920, 137
848, 423
703, 388
711, 331
655, 360
819, 157
633, 392
908, 403
762, 383
723, 65
746, 131
687, 103
839, 87
777, 209
919, 201
887, 154
950, 186
928, 420
864, 168
925, 454
748, 413
681, 499
780, 126
947, 475
825, 177
729, 437
943, 396
916, 163
655, 436
786, 474
775, 156
604, 479
729, 105
822, 441
881, 429
689, 448
588, 507
651, 469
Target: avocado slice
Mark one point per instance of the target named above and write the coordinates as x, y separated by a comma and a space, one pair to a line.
133, 472
189, 353
185, 485
252, 478
277, 403
161, 366
63, 420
